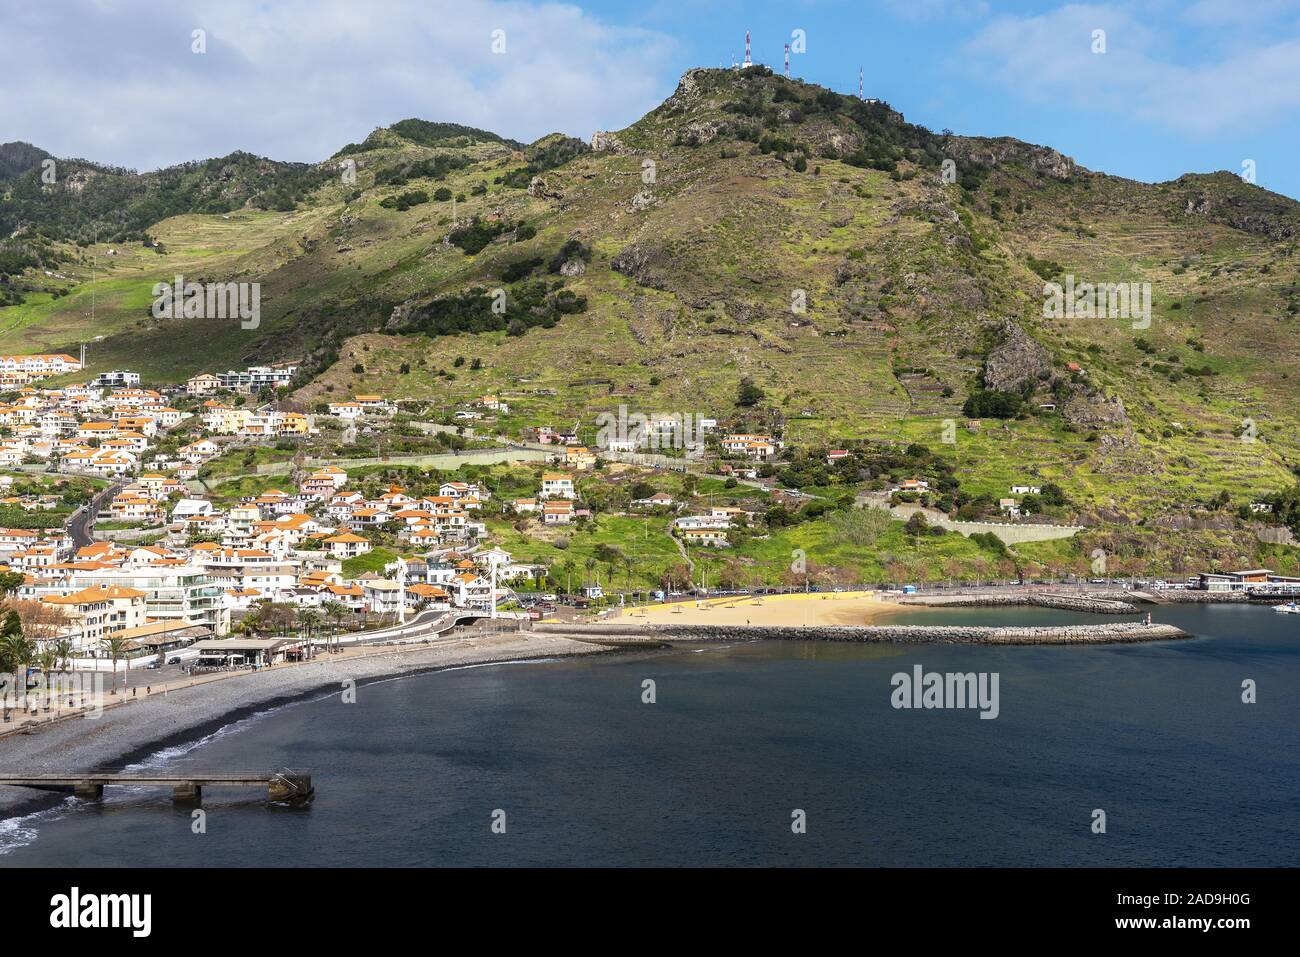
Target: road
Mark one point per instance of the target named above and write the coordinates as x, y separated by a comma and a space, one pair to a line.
81, 527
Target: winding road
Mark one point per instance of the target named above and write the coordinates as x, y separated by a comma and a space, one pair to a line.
81, 527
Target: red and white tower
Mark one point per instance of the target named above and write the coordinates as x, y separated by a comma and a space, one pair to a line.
860, 83
787, 61
748, 61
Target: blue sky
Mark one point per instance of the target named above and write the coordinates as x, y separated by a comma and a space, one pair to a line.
1187, 86
1191, 86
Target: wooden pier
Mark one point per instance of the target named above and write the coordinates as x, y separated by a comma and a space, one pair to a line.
282, 787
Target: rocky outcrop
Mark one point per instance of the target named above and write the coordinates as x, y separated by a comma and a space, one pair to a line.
1090, 408
538, 189
604, 141
643, 200
1015, 360
1008, 151
397, 319
698, 133
643, 263
1223, 198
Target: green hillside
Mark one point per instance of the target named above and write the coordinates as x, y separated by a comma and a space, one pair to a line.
751, 227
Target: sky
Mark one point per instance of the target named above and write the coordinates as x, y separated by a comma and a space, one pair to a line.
1166, 86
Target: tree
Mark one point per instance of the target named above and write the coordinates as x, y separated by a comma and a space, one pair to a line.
15, 652
675, 576
310, 620
1052, 495
49, 661
748, 394
40, 620
272, 617
987, 404
732, 575
116, 646
954, 569
335, 611
916, 525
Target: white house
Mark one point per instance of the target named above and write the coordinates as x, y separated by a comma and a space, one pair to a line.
556, 485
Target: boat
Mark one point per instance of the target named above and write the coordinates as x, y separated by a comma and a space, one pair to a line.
1290, 608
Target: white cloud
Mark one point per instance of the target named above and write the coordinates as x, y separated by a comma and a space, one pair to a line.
937, 9
1049, 57
1233, 13
115, 80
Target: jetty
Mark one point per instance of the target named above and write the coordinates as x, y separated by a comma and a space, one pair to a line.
282, 787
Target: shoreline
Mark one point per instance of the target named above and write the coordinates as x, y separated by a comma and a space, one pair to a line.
128, 735
131, 733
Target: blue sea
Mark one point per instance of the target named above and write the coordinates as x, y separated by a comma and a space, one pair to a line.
757, 754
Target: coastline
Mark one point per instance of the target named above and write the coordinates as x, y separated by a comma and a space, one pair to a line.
129, 734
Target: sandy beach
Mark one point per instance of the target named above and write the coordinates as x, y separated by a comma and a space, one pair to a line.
131, 732
815, 608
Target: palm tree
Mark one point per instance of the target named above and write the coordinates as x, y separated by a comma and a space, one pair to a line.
335, 611
116, 646
16, 650
64, 649
49, 660
13, 652
310, 620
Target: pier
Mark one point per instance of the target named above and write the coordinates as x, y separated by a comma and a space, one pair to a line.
282, 787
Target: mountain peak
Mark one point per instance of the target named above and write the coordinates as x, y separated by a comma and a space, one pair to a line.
18, 157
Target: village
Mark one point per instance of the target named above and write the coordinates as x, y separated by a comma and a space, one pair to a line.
127, 549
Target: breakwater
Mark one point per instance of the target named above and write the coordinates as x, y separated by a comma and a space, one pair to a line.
1118, 633
1082, 603
1193, 596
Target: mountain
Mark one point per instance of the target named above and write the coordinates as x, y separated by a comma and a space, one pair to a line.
88, 201
874, 279
18, 157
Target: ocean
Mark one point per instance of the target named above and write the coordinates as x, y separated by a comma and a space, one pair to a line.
756, 754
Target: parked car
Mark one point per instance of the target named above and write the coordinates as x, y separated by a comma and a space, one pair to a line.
174, 660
